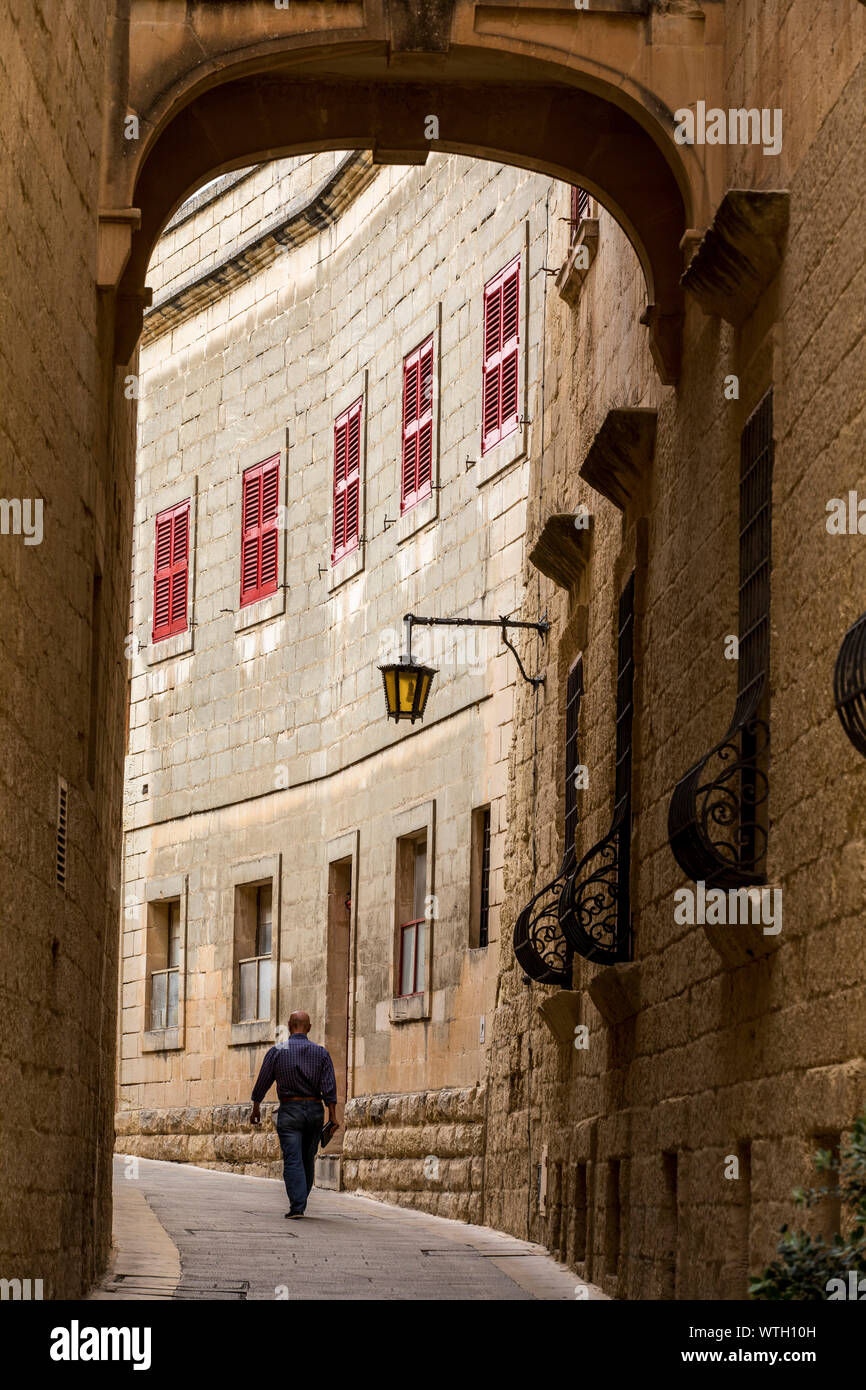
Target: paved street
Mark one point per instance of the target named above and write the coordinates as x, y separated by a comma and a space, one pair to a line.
192, 1233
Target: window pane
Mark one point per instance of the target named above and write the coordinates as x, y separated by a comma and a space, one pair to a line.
263, 921
171, 1008
157, 1001
248, 975
484, 914
173, 935
420, 876
407, 958
420, 950
264, 1004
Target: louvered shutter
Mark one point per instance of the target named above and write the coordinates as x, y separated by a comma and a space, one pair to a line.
259, 526
171, 572
252, 496
579, 209
270, 510
180, 567
347, 481
417, 470
410, 415
501, 356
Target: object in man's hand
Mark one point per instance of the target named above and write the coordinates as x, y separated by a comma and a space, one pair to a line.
327, 1131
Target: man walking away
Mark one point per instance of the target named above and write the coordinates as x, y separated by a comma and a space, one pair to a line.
304, 1074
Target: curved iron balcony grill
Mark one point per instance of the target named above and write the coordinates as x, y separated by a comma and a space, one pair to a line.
717, 815
713, 823
849, 684
540, 944
594, 905
595, 901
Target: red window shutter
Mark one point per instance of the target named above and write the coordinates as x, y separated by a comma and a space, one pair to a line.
171, 572
259, 526
579, 209
499, 408
417, 471
347, 481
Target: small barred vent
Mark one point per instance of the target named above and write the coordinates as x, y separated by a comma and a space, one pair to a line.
62, 813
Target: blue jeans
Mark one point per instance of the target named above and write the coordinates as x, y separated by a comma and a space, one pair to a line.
299, 1126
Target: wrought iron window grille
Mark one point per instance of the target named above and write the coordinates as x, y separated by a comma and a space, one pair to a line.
540, 945
849, 684
595, 899
717, 816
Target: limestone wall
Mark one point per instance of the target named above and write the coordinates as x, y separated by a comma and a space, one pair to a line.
420, 1150
63, 447
761, 1060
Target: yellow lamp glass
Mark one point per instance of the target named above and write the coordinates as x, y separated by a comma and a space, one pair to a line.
407, 687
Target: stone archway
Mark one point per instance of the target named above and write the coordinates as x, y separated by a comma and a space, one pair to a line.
201, 86
585, 96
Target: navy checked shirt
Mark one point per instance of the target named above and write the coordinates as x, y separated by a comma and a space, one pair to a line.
300, 1068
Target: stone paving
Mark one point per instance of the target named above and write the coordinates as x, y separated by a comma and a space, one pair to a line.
183, 1232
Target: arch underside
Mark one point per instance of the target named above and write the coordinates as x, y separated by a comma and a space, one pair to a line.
556, 129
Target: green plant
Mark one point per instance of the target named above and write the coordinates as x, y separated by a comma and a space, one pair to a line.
806, 1263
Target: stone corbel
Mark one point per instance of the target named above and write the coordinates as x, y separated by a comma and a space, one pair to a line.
562, 550
621, 453
128, 319
665, 342
615, 992
689, 243
739, 943
739, 255
580, 257
116, 226
561, 1013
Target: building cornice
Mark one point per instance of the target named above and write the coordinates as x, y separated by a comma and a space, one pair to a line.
304, 217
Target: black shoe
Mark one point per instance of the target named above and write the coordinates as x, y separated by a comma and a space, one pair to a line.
294, 1215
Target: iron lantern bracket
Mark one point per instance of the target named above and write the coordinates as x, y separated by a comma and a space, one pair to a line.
413, 620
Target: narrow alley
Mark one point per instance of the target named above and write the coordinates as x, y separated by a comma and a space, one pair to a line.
183, 1232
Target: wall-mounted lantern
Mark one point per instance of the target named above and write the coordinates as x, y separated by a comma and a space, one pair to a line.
407, 685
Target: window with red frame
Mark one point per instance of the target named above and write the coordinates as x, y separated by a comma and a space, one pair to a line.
412, 890
259, 527
171, 572
579, 209
417, 473
347, 481
501, 355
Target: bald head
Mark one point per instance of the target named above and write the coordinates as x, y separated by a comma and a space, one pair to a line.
299, 1022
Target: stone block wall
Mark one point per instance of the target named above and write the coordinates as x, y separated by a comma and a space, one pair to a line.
754, 1061
66, 443
213, 1136
423, 1150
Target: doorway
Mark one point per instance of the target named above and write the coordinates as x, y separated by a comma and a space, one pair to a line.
337, 986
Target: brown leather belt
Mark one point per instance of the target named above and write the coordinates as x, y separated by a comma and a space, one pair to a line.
283, 1099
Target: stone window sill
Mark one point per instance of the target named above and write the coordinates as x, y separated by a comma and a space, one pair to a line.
418, 516
408, 1008
169, 647
503, 455
162, 1040
580, 257
253, 1034
347, 568
262, 611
